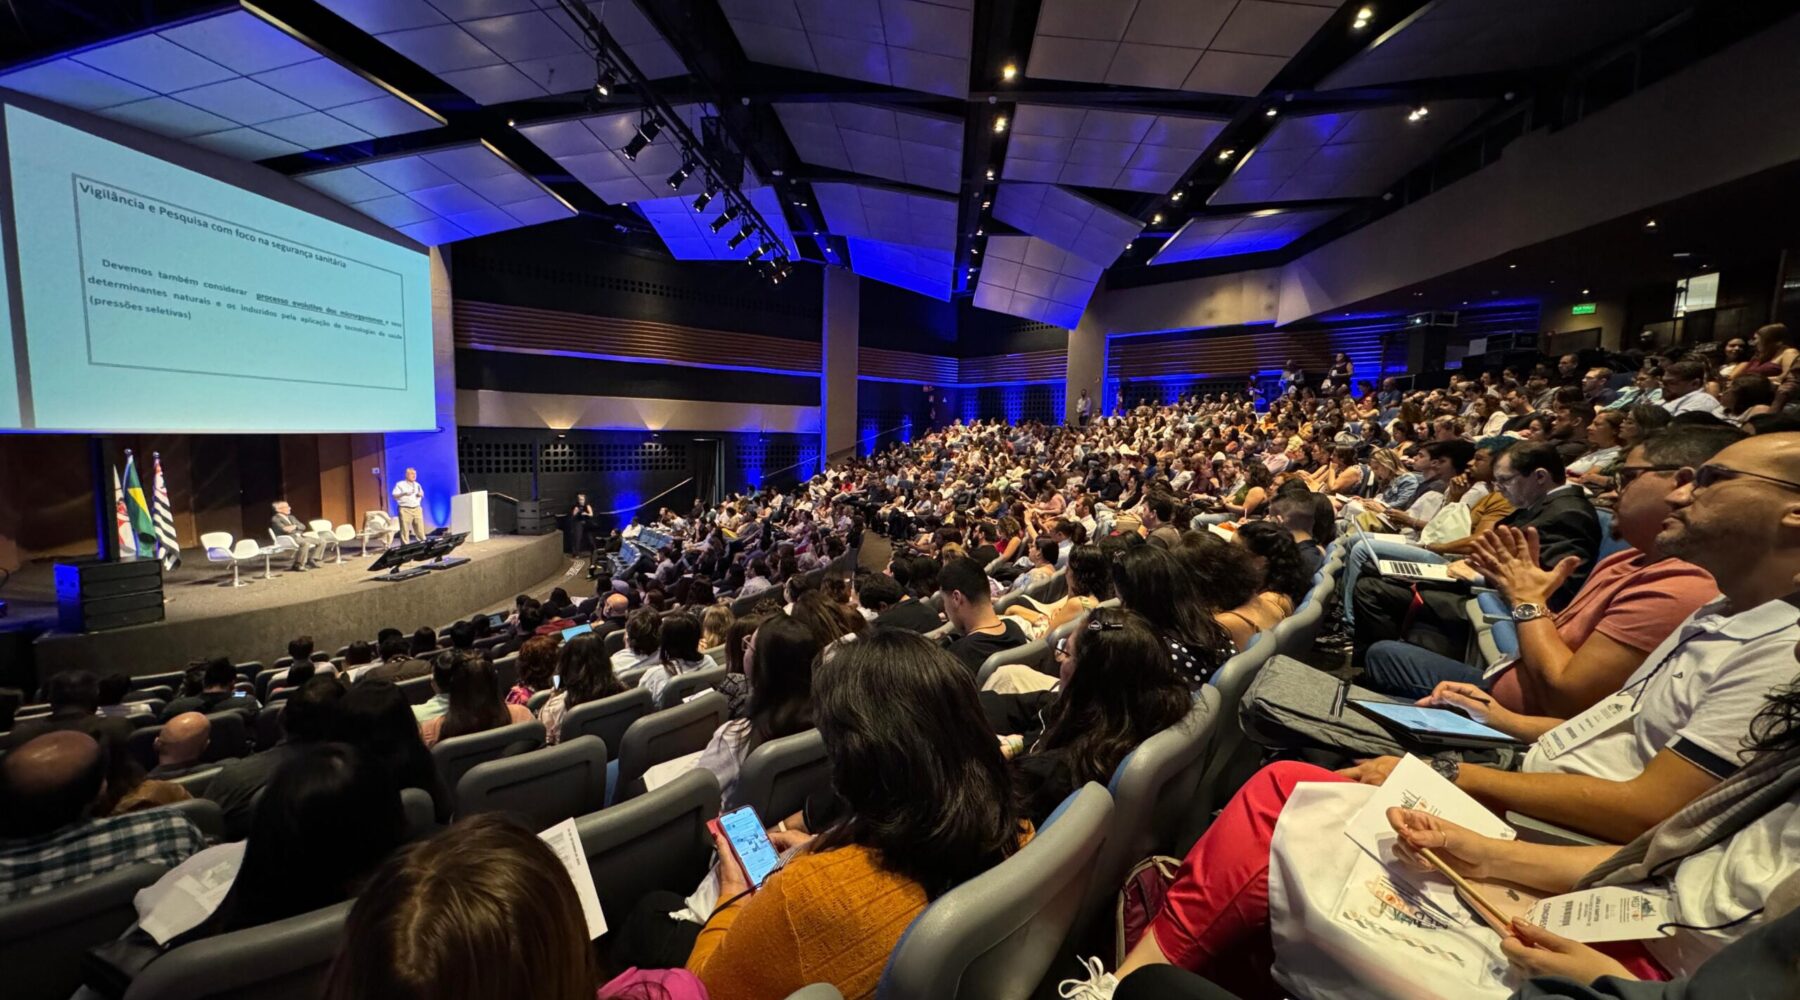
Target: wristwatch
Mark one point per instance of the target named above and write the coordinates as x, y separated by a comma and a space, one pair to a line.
1447, 768
1526, 611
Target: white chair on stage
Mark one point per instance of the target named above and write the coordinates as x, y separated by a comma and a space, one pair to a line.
327, 538
377, 524
344, 533
220, 549
282, 544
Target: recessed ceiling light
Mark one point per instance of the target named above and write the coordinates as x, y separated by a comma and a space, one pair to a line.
1175, 197
979, 232
1226, 154
1682, 253
1008, 71
987, 204
510, 122
1154, 219
974, 249
1584, 291
1270, 113
1649, 223
1365, 14
1418, 114
1000, 124
778, 172
1512, 267
990, 174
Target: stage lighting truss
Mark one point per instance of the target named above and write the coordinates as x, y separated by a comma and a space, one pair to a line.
614, 69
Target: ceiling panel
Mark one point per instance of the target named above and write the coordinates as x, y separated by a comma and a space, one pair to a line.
915, 44
1066, 219
1345, 154
443, 195
230, 82
1026, 276
591, 149
1209, 46
1250, 232
497, 51
688, 234
1458, 37
1090, 147
899, 237
911, 147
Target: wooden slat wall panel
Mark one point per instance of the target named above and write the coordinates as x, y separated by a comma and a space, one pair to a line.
1028, 366
932, 369
520, 328
1244, 353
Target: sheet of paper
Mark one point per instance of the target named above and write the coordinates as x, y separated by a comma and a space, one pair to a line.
1414, 785
1385, 536
184, 898
657, 775
565, 840
1609, 913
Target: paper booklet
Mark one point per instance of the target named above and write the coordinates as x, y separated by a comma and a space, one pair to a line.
1414, 785
565, 840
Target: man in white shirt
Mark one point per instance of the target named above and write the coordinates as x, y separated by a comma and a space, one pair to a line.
409, 497
1684, 390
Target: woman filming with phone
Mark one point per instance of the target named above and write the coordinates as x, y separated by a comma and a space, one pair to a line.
895, 711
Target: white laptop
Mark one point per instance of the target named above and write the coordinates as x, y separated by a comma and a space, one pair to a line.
1413, 570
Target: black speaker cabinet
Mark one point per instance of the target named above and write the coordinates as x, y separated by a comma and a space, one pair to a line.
535, 518
93, 595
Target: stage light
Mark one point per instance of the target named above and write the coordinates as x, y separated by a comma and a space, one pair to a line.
758, 252
1363, 17
1156, 219
681, 174
990, 174
1175, 197
603, 85
1000, 124
705, 197
1226, 154
646, 134
1009, 71
1271, 112
725, 217
1419, 114
738, 237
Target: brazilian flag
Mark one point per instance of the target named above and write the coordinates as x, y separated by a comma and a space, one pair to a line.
137, 509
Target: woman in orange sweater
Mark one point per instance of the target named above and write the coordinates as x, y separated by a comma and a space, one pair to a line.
928, 803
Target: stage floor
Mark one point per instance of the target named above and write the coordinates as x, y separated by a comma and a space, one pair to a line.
337, 603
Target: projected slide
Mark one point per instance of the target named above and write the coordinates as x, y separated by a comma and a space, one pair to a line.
156, 298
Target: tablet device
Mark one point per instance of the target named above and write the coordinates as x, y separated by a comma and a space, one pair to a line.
1432, 726
497, 619
570, 633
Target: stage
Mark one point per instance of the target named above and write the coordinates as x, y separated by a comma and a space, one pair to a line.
336, 604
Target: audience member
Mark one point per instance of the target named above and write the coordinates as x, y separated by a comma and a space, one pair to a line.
1155, 584
218, 691
778, 664
679, 653
180, 746
374, 717
587, 675
537, 669
475, 703
307, 717
643, 641
976, 631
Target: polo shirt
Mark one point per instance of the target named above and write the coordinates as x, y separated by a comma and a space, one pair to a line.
1699, 401
1694, 694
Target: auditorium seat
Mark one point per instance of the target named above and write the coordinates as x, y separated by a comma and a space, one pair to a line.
268, 726
743, 605
171, 680
230, 735
455, 756
629, 678
421, 813
1231, 757
506, 668
327, 536
543, 787
817, 991
203, 813
196, 782
666, 735
684, 686
777, 776
284, 960
43, 937
222, 550
607, 718
1032, 654
613, 642
150, 692
537, 701
656, 841
994, 936
417, 690
265, 679
1294, 635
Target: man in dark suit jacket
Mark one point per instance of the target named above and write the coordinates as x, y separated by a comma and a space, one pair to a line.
1530, 475
306, 551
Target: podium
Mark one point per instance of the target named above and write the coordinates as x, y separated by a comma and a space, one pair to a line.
469, 515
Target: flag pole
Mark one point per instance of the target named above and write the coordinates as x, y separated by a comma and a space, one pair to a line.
104, 528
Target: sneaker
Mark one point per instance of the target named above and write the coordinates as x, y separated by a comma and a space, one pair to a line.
1099, 985
1335, 642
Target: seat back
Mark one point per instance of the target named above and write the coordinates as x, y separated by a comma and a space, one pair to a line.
607, 718
196, 782
1229, 754
215, 540
994, 936
284, 960
1608, 544
416, 689
536, 704
506, 668
43, 937
817, 991
230, 735
268, 726
320, 524
455, 756
1031, 654
246, 548
543, 787
613, 642
665, 735
265, 679
421, 813
656, 841
1294, 634
203, 813
171, 680
683, 686
777, 776
141, 744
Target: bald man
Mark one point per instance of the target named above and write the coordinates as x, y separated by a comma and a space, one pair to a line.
47, 837
180, 745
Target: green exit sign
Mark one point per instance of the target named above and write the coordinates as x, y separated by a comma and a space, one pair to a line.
1582, 309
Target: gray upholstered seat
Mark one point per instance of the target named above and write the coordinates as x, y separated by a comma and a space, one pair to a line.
658, 840
777, 776
543, 787
1031, 654
994, 936
455, 756
666, 735
683, 686
607, 718
284, 960
43, 937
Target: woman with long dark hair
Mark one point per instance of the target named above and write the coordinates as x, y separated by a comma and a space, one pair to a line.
679, 653
928, 804
374, 717
1119, 688
1153, 583
1279, 558
587, 675
1228, 579
778, 663
476, 705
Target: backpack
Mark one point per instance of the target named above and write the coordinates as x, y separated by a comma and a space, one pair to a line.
1141, 899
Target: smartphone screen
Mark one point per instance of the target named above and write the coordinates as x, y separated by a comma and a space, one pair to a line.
496, 620
744, 831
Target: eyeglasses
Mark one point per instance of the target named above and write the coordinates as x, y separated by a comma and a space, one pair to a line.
1628, 474
1708, 475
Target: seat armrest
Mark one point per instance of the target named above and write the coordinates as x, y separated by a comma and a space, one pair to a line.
1537, 831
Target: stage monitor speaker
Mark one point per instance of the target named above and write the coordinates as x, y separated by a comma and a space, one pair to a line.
535, 517
93, 595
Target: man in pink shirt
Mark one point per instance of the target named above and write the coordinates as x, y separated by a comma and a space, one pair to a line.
1634, 598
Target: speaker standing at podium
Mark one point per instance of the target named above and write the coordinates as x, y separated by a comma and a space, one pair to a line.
409, 496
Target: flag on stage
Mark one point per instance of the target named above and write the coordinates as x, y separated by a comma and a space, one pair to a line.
168, 549
122, 520
137, 509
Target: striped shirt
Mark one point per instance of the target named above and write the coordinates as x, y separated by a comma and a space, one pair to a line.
33, 865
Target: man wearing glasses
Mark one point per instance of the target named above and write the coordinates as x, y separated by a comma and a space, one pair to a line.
1571, 659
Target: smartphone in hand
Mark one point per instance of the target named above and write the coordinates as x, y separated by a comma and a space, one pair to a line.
743, 831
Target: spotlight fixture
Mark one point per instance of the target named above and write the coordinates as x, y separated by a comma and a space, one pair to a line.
604, 83
1176, 196
1512, 267
974, 250
1225, 155
1418, 114
1270, 112
986, 205
725, 217
1156, 219
1363, 17
738, 237
646, 134
1000, 124
1008, 71
704, 198
681, 174
760, 250
979, 232
990, 173
1649, 223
